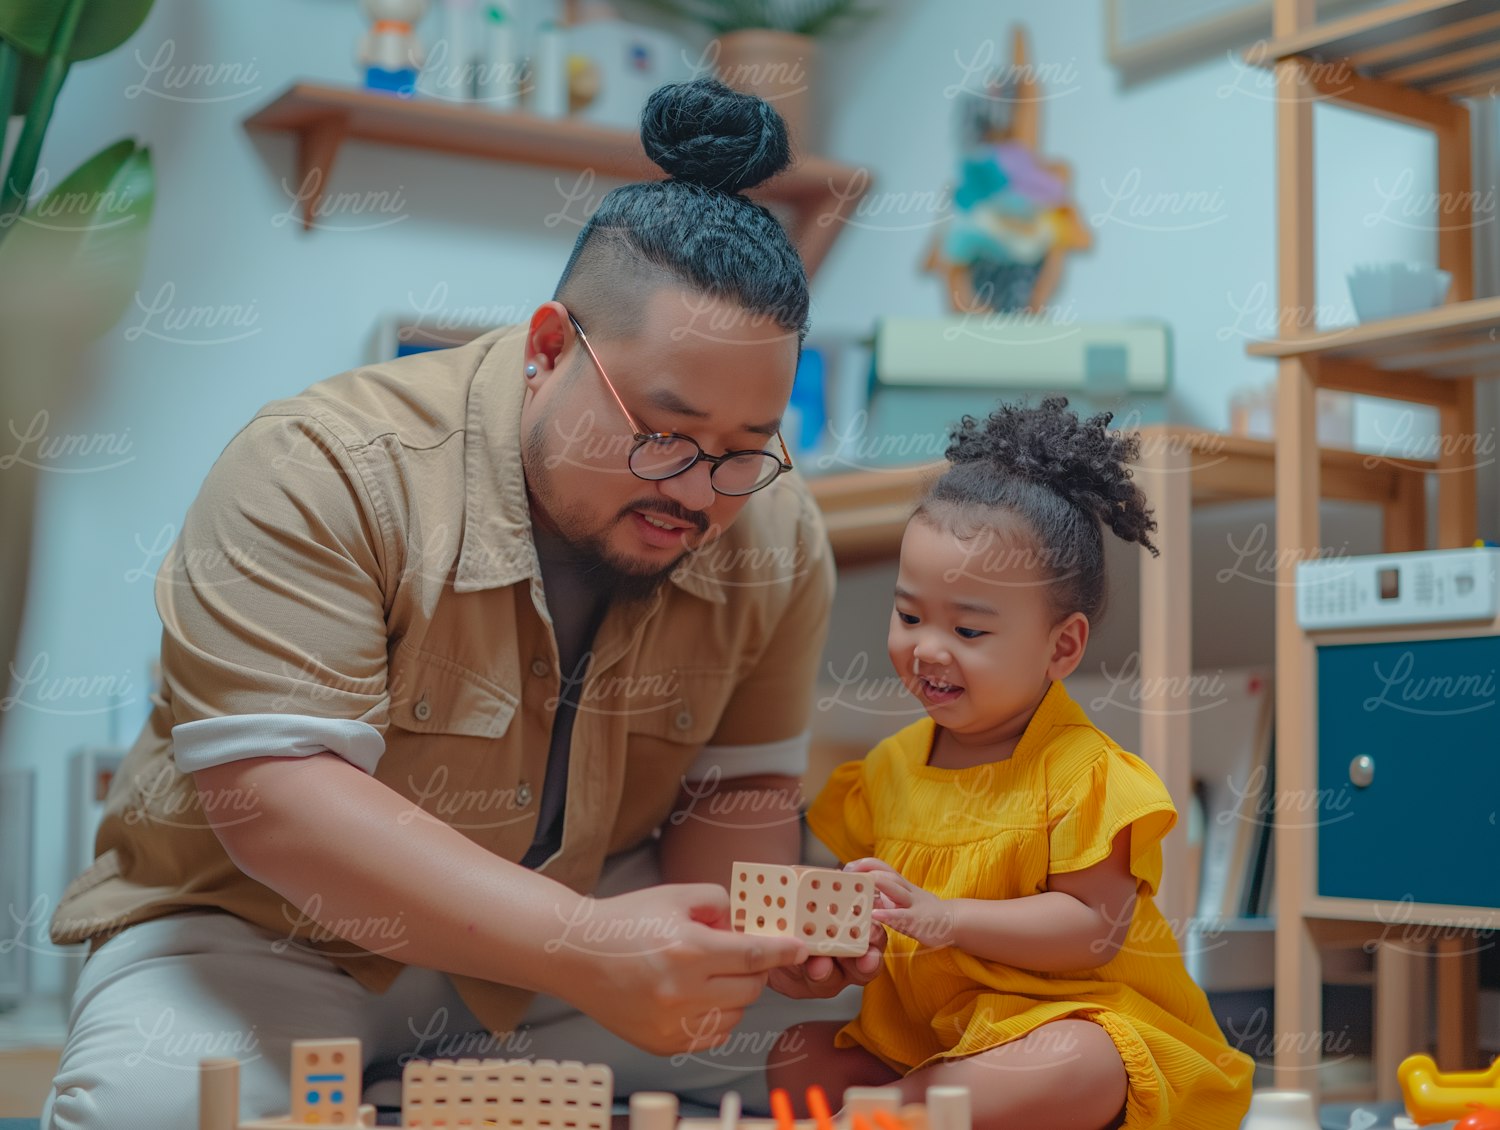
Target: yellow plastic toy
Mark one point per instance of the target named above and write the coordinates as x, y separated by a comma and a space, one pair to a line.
1441, 1096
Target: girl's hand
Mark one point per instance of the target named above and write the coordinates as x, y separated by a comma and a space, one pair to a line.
905, 907
820, 976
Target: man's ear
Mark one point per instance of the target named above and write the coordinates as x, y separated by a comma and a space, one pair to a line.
549, 334
1069, 638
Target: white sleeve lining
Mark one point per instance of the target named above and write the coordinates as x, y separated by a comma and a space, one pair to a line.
726, 761
217, 741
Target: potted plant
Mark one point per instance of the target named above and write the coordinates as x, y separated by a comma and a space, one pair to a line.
766, 47
69, 259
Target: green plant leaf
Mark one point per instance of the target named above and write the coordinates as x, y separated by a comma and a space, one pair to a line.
84, 242
27, 83
104, 25
805, 17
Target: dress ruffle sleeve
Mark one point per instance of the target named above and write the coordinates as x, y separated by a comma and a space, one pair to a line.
1116, 790
841, 817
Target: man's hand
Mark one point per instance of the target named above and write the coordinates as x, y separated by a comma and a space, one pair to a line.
663, 968
820, 977
905, 907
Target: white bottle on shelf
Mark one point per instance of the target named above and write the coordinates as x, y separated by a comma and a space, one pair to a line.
549, 83
451, 62
498, 76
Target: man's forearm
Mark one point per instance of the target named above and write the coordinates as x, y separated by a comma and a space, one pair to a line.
754, 819
368, 866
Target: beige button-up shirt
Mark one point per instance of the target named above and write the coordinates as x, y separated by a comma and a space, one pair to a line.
357, 574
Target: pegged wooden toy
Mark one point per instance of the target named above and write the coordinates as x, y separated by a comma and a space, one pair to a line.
1437, 1096
826, 908
516, 1094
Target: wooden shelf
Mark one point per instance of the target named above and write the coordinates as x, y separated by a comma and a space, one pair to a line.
1457, 339
819, 194
866, 511
1445, 48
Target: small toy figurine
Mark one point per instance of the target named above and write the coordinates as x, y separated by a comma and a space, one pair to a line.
390, 52
1437, 1096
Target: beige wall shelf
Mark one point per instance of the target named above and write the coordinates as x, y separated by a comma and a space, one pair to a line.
816, 194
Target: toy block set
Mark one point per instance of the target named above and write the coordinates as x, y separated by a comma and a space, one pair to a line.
543, 1094
828, 909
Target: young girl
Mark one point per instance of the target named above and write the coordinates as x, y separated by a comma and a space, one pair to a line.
1014, 847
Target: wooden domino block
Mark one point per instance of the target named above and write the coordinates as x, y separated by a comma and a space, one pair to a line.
511, 1094
326, 1079
826, 908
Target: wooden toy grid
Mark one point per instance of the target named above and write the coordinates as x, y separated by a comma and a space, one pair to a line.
828, 909
512, 1094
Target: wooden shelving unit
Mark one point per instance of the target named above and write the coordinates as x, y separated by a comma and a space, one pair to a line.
1445, 48
1409, 61
1180, 468
815, 195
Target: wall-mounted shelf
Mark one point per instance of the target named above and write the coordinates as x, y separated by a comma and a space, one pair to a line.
816, 194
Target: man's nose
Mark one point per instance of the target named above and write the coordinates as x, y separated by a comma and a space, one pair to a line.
692, 489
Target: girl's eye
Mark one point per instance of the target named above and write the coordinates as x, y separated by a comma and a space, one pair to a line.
970, 633
907, 617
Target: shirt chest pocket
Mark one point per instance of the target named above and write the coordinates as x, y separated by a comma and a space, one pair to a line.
453, 746
432, 695
670, 717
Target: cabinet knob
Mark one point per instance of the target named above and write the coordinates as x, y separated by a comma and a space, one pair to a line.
1362, 771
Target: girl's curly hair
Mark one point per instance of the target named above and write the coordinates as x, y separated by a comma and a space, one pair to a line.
1061, 476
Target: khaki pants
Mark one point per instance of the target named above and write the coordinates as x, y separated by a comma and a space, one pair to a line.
160, 996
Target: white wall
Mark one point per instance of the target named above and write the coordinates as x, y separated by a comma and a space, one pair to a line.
239, 306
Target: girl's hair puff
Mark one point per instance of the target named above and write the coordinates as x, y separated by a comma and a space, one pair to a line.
1062, 477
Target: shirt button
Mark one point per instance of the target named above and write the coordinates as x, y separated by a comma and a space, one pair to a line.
539, 667
422, 711
523, 793
683, 720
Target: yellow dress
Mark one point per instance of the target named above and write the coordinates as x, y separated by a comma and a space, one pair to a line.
996, 831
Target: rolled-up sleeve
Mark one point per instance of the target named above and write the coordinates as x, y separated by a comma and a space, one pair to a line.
272, 603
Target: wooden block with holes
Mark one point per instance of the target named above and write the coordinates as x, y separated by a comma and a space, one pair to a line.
514, 1094
326, 1079
826, 908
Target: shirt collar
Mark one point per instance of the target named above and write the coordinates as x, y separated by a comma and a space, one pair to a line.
498, 547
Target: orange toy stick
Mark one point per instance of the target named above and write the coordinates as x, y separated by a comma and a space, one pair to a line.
859, 1122
817, 1105
888, 1121
781, 1109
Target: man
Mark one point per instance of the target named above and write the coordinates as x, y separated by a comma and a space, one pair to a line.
442, 635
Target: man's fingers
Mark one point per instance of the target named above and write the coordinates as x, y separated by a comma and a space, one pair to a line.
707, 903
735, 953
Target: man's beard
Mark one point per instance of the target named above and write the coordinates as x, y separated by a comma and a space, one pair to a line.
601, 570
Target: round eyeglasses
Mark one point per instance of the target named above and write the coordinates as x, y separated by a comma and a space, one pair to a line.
662, 455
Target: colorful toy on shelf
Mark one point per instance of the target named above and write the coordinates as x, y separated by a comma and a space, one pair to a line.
1487, 1118
1013, 220
1439, 1096
390, 54
826, 908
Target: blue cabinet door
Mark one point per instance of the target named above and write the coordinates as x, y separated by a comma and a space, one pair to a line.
1426, 828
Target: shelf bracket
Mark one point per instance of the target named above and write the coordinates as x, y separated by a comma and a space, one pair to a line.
318, 144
